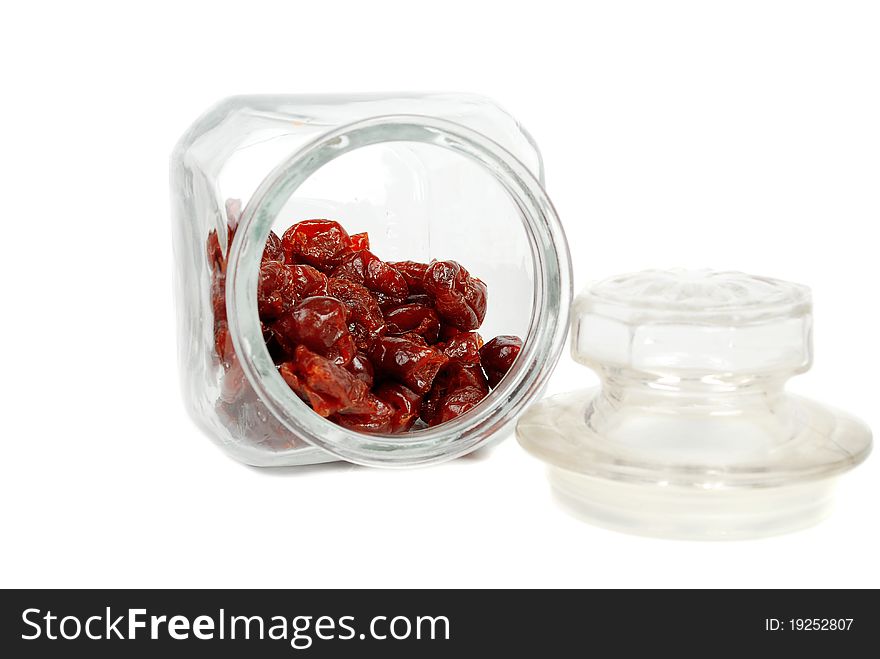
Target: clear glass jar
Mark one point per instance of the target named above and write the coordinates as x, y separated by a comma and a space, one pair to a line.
445, 176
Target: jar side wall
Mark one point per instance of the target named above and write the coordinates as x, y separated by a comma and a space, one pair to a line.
202, 224
191, 290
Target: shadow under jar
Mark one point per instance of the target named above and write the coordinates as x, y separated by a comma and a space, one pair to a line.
441, 176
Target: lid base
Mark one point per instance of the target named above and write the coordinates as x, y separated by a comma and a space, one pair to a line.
686, 514
686, 475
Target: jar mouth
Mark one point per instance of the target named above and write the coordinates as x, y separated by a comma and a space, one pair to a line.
542, 343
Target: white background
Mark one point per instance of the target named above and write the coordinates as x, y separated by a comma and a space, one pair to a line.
733, 135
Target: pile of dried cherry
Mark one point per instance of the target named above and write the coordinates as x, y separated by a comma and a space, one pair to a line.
374, 346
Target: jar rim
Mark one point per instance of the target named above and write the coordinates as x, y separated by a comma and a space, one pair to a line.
542, 344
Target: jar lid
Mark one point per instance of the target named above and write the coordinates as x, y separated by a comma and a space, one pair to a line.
691, 433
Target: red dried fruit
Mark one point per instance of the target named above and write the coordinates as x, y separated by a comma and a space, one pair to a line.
360, 346
365, 319
216, 258
498, 356
366, 268
459, 298
223, 343
413, 273
276, 292
222, 340
320, 324
320, 243
386, 305
416, 318
272, 251
458, 376
362, 369
463, 347
327, 387
403, 401
216, 254
360, 241
372, 415
416, 338
279, 350
420, 298
448, 332
218, 295
308, 281
458, 389
406, 360
456, 403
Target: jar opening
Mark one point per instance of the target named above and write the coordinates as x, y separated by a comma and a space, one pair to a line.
546, 326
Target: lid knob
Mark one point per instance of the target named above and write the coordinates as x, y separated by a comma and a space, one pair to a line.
694, 323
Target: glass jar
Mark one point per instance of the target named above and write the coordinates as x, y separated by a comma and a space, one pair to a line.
440, 176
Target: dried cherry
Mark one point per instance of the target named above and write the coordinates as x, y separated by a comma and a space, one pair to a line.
498, 355
223, 343
413, 273
457, 389
458, 376
327, 387
308, 281
365, 319
464, 347
455, 403
360, 241
415, 338
400, 357
272, 251
216, 254
459, 298
404, 402
448, 332
366, 268
279, 350
319, 243
420, 298
320, 324
370, 345
276, 292
216, 258
362, 369
371, 415
218, 295
416, 318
